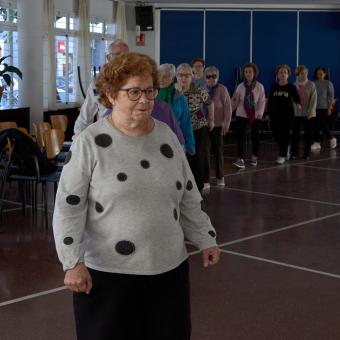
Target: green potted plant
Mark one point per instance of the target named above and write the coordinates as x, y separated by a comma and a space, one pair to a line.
5, 73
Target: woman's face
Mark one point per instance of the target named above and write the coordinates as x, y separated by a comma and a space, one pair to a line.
320, 75
198, 69
211, 78
165, 79
302, 76
130, 110
184, 77
283, 75
249, 74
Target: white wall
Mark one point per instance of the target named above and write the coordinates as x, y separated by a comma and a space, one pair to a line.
150, 36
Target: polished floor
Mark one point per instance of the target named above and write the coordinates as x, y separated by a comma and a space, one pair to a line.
279, 274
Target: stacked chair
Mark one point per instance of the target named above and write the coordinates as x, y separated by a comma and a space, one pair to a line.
31, 163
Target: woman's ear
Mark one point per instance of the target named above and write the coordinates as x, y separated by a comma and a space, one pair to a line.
111, 99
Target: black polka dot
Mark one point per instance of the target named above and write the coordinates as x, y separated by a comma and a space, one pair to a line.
103, 140
125, 247
175, 215
122, 177
73, 199
178, 185
68, 240
189, 185
145, 164
167, 151
99, 207
212, 233
68, 157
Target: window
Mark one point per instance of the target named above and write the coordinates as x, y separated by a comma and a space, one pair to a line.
66, 59
9, 47
102, 35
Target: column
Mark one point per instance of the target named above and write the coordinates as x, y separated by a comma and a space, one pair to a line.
30, 35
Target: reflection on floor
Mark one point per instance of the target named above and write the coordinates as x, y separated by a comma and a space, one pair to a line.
279, 275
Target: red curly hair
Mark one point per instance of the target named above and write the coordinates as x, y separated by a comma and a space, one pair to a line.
117, 72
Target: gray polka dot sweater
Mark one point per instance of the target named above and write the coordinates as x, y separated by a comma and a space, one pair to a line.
125, 204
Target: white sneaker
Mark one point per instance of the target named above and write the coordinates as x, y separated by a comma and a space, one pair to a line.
280, 160
239, 163
333, 143
220, 182
206, 186
253, 161
316, 146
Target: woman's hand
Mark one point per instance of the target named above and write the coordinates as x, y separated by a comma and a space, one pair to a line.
78, 279
211, 125
224, 130
210, 256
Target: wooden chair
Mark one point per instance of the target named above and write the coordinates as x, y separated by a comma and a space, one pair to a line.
7, 125
39, 129
59, 122
53, 141
24, 130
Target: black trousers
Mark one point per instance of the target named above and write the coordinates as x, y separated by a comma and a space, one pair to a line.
217, 149
242, 127
200, 162
307, 125
322, 122
281, 127
135, 307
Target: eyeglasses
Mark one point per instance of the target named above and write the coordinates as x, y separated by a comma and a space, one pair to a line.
135, 93
209, 76
182, 75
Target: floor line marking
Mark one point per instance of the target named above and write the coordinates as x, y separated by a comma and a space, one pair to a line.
243, 172
315, 167
283, 264
295, 225
278, 196
32, 296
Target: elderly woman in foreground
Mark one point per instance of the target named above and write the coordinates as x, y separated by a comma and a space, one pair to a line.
125, 203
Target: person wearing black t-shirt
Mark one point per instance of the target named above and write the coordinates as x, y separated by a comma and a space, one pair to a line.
281, 109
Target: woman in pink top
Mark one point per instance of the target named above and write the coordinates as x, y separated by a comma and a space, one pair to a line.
249, 102
222, 116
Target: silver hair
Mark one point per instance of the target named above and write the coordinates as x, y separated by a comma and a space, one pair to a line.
170, 68
212, 69
183, 65
115, 43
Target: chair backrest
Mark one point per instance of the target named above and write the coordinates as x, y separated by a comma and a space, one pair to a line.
24, 130
59, 122
7, 125
24, 150
53, 140
39, 129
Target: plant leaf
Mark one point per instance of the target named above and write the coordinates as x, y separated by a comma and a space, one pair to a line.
14, 70
3, 58
7, 79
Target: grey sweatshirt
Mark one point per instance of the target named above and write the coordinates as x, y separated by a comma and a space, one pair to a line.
325, 93
125, 204
308, 102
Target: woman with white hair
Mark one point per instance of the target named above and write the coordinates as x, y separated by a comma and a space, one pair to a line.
222, 117
168, 93
197, 97
304, 113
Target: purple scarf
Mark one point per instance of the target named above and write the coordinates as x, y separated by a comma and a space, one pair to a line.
249, 101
